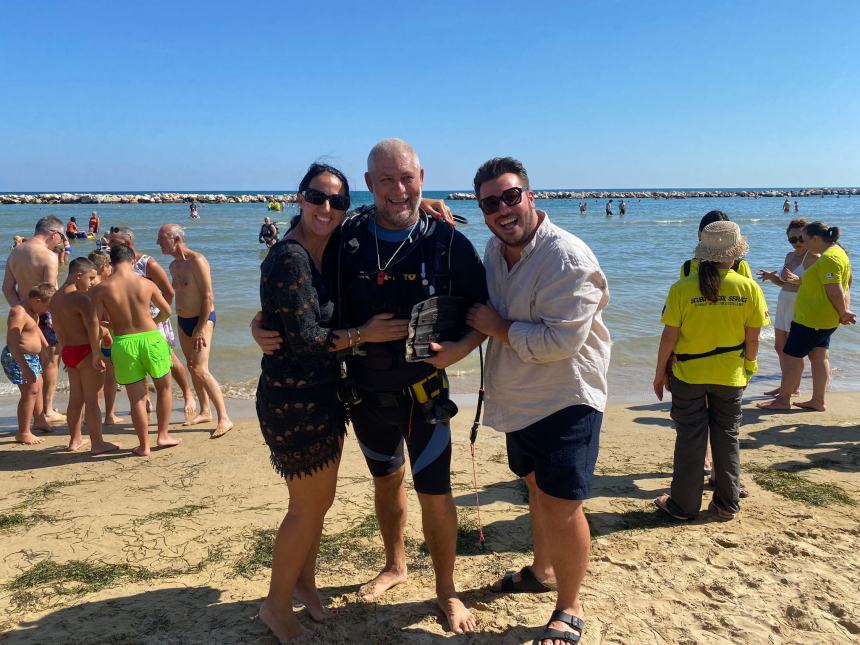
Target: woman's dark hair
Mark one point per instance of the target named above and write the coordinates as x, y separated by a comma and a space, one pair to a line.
796, 223
711, 217
314, 170
709, 279
819, 229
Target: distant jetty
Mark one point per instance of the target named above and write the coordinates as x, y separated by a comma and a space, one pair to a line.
677, 194
148, 198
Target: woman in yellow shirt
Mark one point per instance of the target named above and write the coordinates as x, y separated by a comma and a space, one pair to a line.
823, 301
712, 322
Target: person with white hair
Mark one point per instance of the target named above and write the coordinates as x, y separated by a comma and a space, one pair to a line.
706, 358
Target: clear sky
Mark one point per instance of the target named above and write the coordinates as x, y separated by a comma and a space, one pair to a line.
244, 95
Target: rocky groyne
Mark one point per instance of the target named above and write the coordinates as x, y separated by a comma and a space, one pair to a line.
149, 198
677, 194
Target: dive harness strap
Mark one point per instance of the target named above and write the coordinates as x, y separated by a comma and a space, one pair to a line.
713, 352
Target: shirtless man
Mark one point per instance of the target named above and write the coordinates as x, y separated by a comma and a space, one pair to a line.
146, 266
20, 359
78, 331
138, 347
31, 263
195, 313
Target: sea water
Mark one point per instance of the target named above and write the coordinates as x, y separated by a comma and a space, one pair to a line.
640, 254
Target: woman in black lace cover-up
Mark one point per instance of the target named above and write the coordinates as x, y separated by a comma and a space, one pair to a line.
301, 418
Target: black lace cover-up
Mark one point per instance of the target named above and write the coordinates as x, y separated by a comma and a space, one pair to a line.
300, 416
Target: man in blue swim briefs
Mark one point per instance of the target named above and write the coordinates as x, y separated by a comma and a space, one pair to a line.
195, 313
139, 350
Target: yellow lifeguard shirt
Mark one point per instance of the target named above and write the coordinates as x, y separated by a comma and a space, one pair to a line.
707, 325
813, 308
743, 268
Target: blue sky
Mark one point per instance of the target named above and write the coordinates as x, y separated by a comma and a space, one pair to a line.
243, 96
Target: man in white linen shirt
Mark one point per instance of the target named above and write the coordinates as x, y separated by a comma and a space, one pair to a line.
546, 379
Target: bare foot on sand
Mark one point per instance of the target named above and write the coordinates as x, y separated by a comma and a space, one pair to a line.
104, 446
77, 445
140, 451
45, 429
203, 417
224, 426
373, 590
775, 392
55, 416
285, 626
190, 409
311, 600
28, 439
810, 405
169, 442
460, 619
114, 420
776, 404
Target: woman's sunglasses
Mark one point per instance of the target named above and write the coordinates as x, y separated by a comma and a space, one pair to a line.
511, 197
317, 198
795, 240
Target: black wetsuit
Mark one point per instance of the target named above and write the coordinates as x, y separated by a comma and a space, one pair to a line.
435, 259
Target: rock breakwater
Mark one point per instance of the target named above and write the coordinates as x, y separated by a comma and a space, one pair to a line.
148, 198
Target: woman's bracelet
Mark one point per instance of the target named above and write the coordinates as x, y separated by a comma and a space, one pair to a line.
348, 337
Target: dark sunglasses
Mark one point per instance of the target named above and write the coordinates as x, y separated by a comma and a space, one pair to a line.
511, 197
794, 240
316, 197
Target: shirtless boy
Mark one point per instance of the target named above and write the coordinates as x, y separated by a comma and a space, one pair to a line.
103, 270
20, 358
195, 313
77, 329
31, 263
138, 347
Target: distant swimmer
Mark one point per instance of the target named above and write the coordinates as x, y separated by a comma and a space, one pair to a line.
622, 208
193, 210
583, 208
609, 208
795, 206
93, 226
786, 206
71, 228
268, 232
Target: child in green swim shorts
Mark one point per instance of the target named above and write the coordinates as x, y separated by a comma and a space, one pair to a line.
136, 356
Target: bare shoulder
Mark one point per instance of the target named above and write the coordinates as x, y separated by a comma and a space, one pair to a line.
18, 317
199, 262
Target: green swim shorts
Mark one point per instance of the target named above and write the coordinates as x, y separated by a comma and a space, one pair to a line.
135, 356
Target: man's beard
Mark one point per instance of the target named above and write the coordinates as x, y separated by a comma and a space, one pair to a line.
404, 217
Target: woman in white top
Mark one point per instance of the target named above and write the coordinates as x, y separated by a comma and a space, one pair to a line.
788, 279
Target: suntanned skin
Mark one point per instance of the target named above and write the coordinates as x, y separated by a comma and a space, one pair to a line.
76, 323
124, 297
30, 263
192, 284
155, 273
24, 336
109, 389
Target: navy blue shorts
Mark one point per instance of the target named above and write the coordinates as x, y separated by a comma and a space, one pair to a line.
802, 339
561, 450
384, 421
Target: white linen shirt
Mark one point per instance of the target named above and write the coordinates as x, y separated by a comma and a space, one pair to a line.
559, 347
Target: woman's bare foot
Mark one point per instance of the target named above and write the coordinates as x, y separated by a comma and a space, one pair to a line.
203, 417
224, 426
460, 619
285, 626
388, 578
167, 442
28, 439
55, 416
810, 405
776, 404
190, 409
104, 446
77, 444
140, 451
311, 600
775, 392
113, 420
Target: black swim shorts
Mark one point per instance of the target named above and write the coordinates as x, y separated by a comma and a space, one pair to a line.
384, 421
802, 339
561, 450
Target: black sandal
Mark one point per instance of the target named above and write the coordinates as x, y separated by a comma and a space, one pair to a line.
528, 583
573, 622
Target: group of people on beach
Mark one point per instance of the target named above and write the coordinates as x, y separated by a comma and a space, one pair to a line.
109, 324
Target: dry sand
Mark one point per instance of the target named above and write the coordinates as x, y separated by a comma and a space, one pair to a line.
181, 525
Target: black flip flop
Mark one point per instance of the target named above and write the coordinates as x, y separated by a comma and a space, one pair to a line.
528, 583
574, 622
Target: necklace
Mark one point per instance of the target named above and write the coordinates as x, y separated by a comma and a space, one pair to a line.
381, 268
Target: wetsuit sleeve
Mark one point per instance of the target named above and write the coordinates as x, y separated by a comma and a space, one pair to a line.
470, 278
566, 304
287, 292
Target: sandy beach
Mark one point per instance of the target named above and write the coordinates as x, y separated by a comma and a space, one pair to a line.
175, 548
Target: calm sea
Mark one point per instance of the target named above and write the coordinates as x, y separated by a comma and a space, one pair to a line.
640, 254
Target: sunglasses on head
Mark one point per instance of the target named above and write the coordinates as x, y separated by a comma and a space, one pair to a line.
317, 197
511, 197
794, 240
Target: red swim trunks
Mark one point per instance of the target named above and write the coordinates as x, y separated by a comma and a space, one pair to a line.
72, 355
